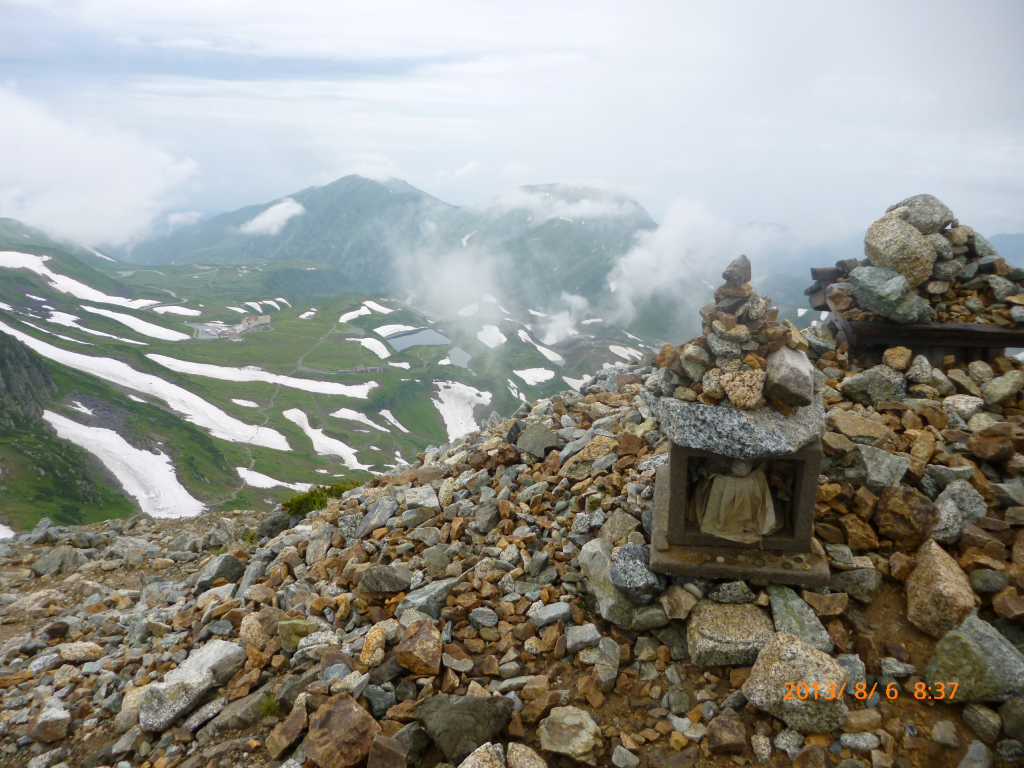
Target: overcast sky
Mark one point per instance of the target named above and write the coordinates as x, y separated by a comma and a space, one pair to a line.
812, 115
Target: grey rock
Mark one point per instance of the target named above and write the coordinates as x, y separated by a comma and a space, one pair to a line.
790, 377
720, 634
458, 725
985, 722
483, 617
946, 475
787, 659
984, 663
382, 510
571, 731
537, 439
738, 271
1012, 715
663, 382
791, 614
58, 560
859, 584
623, 758
977, 756
429, 599
883, 469
579, 637
732, 592
221, 567
855, 669
595, 560
1002, 288
319, 543
1002, 387
947, 270
869, 387
631, 575
528, 493
944, 733
1010, 752
162, 703
890, 295
549, 614
894, 244
487, 516
754, 434
723, 348
860, 743
423, 497
920, 371
926, 213
959, 505
385, 578
892, 667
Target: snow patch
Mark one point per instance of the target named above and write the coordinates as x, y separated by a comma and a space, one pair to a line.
576, 383
491, 336
140, 326
406, 366
554, 357
191, 406
148, 477
455, 402
348, 317
374, 345
535, 376
274, 304
307, 315
392, 420
377, 307
239, 310
65, 284
77, 406
391, 330
349, 414
592, 320
94, 252
468, 311
71, 321
245, 403
177, 310
283, 301
252, 373
322, 444
466, 238
255, 305
626, 353
259, 480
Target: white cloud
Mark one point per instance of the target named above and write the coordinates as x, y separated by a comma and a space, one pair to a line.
84, 181
272, 220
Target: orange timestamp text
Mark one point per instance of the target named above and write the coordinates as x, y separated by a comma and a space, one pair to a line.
861, 691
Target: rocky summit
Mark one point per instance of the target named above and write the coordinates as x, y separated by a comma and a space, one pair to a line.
493, 603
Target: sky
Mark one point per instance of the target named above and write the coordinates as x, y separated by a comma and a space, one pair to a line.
811, 116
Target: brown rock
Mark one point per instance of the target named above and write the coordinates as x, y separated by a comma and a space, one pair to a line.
859, 429
287, 732
905, 515
897, 358
539, 707
837, 444
726, 735
864, 503
827, 606
744, 388
677, 602
964, 383
811, 756
901, 566
629, 444
578, 467
939, 594
386, 752
340, 733
420, 649
935, 416
991, 448
1009, 604
859, 535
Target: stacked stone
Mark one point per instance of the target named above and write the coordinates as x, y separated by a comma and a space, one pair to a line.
745, 358
923, 265
492, 605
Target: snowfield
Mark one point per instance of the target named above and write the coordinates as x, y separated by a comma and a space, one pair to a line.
255, 305
140, 326
377, 307
308, 314
535, 375
350, 415
406, 366
491, 336
391, 330
554, 357
251, 373
245, 403
626, 353
374, 345
64, 284
258, 480
148, 477
192, 407
391, 419
177, 310
348, 317
274, 304
455, 402
322, 444
239, 310
71, 321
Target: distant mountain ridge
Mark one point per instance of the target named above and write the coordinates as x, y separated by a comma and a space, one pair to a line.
544, 239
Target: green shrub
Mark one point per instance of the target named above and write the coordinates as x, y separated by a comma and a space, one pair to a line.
316, 497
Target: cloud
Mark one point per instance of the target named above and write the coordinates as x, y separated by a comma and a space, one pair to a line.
90, 183
272, 220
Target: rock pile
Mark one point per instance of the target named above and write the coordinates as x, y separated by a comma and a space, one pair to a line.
745, 355
492, 605
922, 265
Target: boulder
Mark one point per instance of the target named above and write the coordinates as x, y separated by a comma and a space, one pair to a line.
458, 725
790, 377
429, 599
595, 560
860, 583
904, 515
785, 662
420, 649
791, 614
485, 756
631, 575
537, 439
221, 567
939, 594
983, 663
340, 733
62, 559
721, 634
883, 470
385, 578
926, 213
890, 295
892, 243
572, 732
958, 506
868, 387
161, 704
222, 658
382, 510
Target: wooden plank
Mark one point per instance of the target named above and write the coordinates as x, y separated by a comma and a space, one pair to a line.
946, 334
